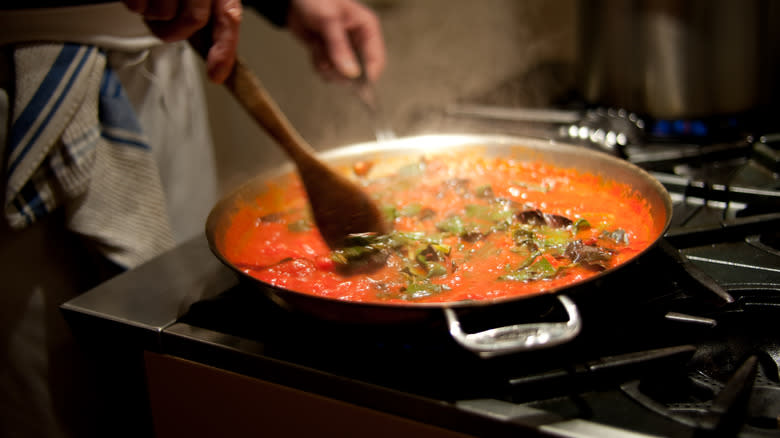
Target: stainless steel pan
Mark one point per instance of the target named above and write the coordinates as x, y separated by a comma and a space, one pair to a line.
495, 341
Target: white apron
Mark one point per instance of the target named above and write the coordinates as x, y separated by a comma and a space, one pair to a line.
45, 385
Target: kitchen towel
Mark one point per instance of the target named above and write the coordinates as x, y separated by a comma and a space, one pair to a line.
75, 143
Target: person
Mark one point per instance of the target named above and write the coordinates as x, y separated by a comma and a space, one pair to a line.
108, 162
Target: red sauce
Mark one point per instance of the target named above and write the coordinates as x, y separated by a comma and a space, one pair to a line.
464, 229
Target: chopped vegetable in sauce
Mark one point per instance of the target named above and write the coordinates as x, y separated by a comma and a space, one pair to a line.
463, 229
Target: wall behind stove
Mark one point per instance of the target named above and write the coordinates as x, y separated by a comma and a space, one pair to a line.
439, 52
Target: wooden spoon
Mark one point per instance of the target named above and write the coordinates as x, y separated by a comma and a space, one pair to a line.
339, 206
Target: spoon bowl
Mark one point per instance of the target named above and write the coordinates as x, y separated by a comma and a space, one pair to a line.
339, 206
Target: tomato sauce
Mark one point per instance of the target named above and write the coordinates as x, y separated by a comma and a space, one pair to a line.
463, 229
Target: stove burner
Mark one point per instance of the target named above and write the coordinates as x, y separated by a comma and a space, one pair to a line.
732, 382
745, 404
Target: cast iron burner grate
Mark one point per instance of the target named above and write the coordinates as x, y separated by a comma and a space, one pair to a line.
731, 385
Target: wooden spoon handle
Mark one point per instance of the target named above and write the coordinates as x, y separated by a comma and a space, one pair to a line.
339, 207
250, 93
246, 87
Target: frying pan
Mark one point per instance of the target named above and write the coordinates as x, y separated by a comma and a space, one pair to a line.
491, 342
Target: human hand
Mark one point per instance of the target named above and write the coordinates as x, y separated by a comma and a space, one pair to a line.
174, 20
331, 28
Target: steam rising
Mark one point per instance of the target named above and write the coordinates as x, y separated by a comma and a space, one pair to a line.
440, 52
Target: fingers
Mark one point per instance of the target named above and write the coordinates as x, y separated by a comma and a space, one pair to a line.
358, 30
321, 62
339, 50
176, 20
368, 41
225, 33
334, 30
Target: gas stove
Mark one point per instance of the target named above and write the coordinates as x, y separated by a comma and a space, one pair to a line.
682, 342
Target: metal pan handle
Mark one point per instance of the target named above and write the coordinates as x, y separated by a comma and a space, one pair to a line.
517, 338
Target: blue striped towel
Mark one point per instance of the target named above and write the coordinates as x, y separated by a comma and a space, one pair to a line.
75, 143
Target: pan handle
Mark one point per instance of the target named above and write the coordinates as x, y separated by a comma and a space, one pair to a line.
519, 337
